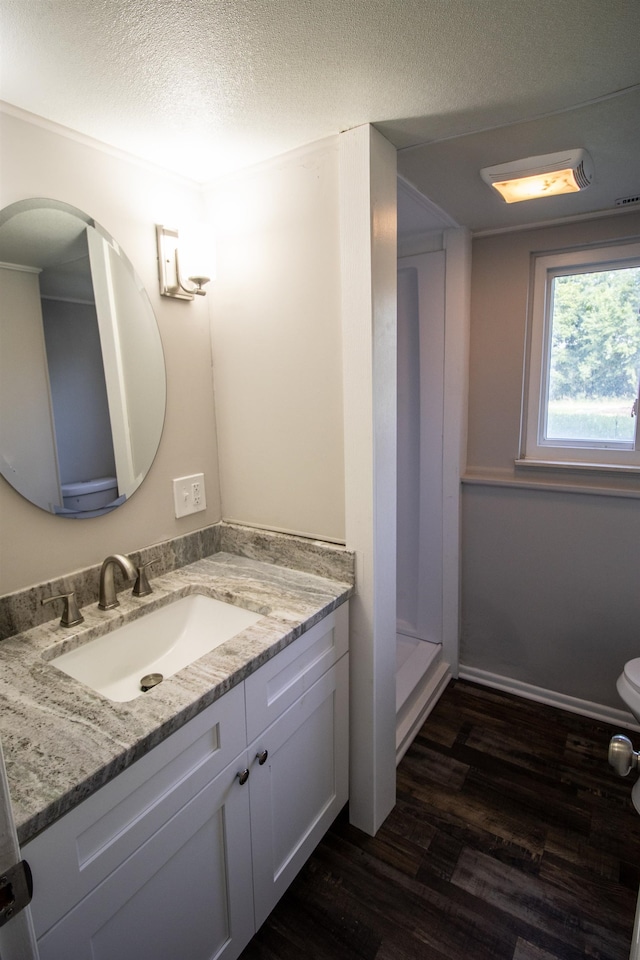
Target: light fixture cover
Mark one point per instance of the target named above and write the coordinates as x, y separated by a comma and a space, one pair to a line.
543, 176
172, 283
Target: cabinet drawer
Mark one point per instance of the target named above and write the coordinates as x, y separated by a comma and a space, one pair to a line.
82, 848
276, 685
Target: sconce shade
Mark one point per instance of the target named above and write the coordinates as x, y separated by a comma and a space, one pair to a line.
172, 283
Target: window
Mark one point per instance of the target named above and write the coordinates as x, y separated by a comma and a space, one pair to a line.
583, 366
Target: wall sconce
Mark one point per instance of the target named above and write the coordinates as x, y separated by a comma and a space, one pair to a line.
172, 283
545, 176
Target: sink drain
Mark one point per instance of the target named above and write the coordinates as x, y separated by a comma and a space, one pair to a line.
150, 680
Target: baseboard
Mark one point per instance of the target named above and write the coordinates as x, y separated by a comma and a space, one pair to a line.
418, 708
595, 711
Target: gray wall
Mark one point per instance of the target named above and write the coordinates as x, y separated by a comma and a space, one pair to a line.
551, 561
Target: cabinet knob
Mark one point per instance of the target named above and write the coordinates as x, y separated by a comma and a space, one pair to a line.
262, 756
243, 775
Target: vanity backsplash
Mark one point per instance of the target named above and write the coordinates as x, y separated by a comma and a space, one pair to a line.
23, 609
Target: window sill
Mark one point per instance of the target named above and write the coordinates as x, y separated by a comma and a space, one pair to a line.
565, 465
563, 480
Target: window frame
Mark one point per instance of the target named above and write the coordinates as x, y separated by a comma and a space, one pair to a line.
534, 449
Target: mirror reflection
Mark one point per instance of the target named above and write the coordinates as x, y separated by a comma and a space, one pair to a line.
82, 375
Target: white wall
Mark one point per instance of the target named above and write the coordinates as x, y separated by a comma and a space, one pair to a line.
127, 199
276, 327
306, 282
550, 559
421, 330
429, 558
369, 307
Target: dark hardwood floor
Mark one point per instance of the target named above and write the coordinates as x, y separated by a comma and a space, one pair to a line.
512, 838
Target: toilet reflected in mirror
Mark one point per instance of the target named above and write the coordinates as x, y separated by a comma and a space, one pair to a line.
82, 376
90, 497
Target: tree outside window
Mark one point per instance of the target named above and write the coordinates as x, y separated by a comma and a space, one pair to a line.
594, 367
583, 360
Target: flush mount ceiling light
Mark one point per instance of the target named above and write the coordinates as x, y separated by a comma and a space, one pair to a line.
172, 283
545, 176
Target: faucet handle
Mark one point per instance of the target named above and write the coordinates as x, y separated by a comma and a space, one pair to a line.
142, 587
71, 615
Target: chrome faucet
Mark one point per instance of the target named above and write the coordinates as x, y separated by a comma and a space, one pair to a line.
108, 599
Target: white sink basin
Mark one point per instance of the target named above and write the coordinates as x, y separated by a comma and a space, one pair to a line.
163, 641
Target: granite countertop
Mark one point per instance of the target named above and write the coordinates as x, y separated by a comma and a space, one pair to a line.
62, 741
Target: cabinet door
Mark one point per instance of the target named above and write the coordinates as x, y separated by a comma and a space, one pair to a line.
77, 853
186, 893
301, 786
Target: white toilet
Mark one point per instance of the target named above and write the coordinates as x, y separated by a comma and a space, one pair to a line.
622, 757
628, 686
86, 495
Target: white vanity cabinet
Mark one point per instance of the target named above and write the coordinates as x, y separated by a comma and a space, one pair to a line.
180, 857
299, 765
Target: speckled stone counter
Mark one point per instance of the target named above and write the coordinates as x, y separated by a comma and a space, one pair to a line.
62, 741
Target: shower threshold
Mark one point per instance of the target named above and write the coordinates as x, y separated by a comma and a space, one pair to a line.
421, 677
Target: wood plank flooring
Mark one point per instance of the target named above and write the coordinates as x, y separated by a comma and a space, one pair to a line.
512, 839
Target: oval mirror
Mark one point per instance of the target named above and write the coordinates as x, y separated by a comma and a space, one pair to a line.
82, 375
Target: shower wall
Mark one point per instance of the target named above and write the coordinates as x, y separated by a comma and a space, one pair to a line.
420, 447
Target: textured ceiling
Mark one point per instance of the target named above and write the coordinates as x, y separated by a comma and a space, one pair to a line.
448, 171
203, 87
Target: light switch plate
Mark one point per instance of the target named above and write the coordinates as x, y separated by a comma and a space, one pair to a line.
189, 494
